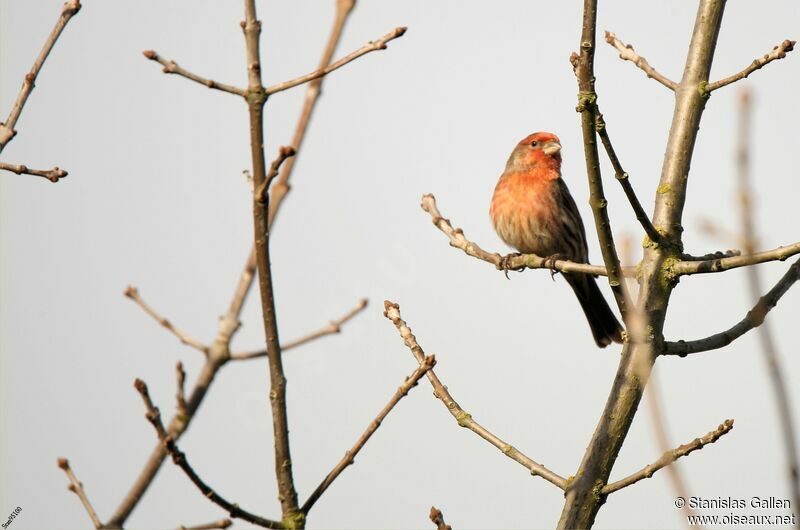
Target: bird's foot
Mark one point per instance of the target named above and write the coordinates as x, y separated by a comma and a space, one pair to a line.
550, 263
505, 264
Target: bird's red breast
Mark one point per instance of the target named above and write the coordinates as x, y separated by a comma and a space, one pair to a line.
526, 198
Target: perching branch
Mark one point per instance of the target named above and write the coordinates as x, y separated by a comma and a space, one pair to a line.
669, 457
627, 53
438, 519
76, 487
513, 262
778, 52
371, 46
171, 67
349, 456
624, 180
682, 268
463, 418
133, 293
587, 107
53, 175
179, 458
7, 131
334, 327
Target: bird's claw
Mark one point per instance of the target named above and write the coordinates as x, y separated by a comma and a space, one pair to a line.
550, 263
505, 264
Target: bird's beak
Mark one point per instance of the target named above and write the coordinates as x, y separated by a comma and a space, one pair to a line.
551, 148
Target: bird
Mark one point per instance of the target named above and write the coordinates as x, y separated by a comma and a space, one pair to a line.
533, 211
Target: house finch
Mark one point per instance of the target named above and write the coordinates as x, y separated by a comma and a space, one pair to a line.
533, 211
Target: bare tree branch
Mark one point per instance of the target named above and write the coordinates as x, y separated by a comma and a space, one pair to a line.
7, 131
669, 457
778, 52
284, 153
438, 519
214, 525
334, 327
180, 395
371, 46
229, 323
582, 502
682, 268
133, 293
587, 107
463, 418
171, 67
624, 180
627, 53
256, 97
53, 175
349, 456
513, 262
713, 255
76, 487
179, 458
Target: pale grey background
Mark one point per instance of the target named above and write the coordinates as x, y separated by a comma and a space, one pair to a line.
156, 198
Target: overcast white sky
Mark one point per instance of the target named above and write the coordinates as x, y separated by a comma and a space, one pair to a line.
156, 198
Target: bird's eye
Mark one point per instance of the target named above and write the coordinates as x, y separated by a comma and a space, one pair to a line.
534, 143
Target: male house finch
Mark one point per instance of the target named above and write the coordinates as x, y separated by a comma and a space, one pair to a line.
533, 211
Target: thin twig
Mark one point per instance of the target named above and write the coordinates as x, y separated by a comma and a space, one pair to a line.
218, 355
733, 262
180, 395
7, 131
133, 293
463, 418
214, 525
669, 457
768, 347
587, 107
171, 67
778, 52
332, 328
53, 175
179, 458
624, 180
513, 262
76, 487
627, 53
371, 46
350, 455
438, 519
283, 154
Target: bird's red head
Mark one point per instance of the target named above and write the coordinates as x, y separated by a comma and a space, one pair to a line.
540, 149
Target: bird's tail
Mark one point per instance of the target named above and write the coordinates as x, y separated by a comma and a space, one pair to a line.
605, 326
